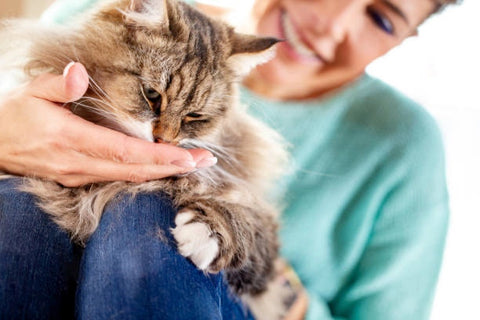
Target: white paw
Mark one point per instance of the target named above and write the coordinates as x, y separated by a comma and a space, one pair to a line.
195, 239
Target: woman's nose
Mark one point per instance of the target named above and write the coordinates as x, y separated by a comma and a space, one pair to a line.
329, 23
333, 18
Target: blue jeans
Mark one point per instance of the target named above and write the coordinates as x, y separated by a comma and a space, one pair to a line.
130, 268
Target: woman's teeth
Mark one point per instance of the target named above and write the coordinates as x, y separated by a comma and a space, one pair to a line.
294, 40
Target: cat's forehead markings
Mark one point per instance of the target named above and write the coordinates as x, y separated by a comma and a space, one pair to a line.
132, 72
123, 70
136, 74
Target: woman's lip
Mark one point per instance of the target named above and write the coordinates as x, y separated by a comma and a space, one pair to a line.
302, 41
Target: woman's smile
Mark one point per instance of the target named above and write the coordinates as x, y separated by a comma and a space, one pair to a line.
296, 46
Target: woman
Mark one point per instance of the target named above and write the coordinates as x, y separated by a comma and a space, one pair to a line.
366, 209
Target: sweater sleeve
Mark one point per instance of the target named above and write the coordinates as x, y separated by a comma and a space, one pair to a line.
397, 274
318, 309
398, 270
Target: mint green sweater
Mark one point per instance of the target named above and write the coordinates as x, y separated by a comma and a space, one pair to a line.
366, 207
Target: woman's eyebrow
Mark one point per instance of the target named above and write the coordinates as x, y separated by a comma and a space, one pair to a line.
396, 10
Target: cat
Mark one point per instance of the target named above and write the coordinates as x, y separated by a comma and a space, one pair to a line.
162, 71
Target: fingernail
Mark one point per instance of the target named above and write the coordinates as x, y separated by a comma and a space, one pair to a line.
207, 162
184, 163
67, 69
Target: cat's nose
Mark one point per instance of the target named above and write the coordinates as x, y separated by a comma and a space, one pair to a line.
166, 133
160, 140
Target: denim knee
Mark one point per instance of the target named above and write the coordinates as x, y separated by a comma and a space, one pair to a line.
131, 262
38, 263
130, 230
23, 225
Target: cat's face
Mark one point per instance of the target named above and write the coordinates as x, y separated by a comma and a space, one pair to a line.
163, 71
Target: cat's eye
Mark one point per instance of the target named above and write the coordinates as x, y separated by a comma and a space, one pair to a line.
153, 98
194, 115
152, 94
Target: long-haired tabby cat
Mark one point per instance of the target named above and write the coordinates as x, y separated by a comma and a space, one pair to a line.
162, 71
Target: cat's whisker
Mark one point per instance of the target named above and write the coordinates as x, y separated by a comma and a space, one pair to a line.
99, 103
94, 108
108, 102
115, 123
98, 90
97, 111
75, 54
317, 173
62, 58
145, 79
108, 110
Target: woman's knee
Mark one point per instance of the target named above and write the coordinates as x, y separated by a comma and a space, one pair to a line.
132, 257
38, 263
132, 232
23, 225
134, 220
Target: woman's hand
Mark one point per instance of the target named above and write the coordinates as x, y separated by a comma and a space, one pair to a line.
285, 275
298, 310
40, 138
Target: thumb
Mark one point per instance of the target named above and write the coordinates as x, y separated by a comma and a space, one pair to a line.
68, 87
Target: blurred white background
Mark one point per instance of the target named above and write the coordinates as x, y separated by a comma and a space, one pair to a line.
440, 69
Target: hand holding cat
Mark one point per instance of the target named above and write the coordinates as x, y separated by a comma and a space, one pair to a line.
40, 138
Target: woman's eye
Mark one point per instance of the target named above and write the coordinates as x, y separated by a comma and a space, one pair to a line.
380, 20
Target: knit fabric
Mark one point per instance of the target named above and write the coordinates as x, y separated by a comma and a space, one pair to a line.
366, 206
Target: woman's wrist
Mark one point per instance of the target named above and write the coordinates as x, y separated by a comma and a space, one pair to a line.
296, 303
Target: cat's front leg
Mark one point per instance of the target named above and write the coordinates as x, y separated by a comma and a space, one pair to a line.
196, 240
218, 235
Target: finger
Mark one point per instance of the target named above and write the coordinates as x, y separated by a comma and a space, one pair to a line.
100, 142
103, 170
76, 180
68, 87
299, 308
203, 158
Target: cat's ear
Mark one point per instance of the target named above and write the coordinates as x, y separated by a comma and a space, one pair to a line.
249, 51
161, 15
147, 13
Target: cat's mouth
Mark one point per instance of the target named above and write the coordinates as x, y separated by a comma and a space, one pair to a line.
172, 143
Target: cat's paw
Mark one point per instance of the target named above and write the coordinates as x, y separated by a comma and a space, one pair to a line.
195, 240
